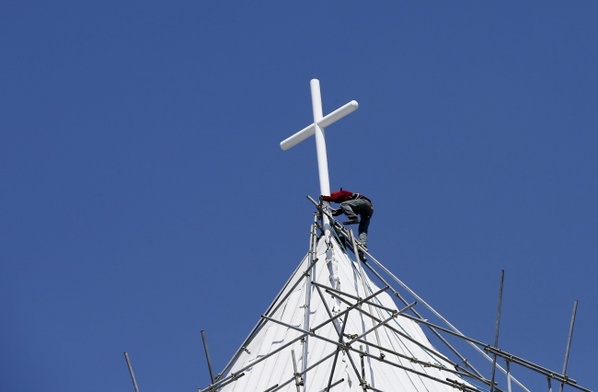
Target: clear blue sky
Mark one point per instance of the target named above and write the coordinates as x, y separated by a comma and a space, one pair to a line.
144, 196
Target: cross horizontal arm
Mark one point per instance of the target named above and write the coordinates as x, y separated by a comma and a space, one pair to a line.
323, 123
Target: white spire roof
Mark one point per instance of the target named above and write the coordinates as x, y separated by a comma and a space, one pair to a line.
332, 327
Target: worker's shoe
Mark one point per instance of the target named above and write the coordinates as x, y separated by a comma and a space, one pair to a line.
351, 221
336, 212
361, 254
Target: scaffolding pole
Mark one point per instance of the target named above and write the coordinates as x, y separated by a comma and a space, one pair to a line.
205, 348
569, 339
131, 372
497, 329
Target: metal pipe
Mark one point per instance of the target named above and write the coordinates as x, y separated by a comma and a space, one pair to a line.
131, 372
296, 375
497, 329
205, 348
569, 339
311, 258
509, 386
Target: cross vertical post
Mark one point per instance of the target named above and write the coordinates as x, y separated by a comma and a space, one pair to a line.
316, 103
317, 128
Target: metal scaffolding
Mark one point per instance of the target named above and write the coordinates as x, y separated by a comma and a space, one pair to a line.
382, 346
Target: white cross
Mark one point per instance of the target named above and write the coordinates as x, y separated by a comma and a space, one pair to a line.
317, 128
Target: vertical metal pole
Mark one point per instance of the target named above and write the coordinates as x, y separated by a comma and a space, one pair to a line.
131, 372
509, 387
205, 347
497, 330
569, 339
298, 381
313, 255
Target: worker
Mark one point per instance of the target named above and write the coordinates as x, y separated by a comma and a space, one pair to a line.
352, 205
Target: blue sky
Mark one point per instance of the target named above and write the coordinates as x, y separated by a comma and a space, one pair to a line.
145, 197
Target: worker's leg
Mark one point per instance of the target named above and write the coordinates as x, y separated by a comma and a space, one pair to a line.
348, 209
366, 211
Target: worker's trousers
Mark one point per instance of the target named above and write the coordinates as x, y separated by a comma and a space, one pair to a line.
365, 210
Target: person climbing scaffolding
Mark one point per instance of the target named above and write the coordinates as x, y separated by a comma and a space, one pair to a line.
352, 205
